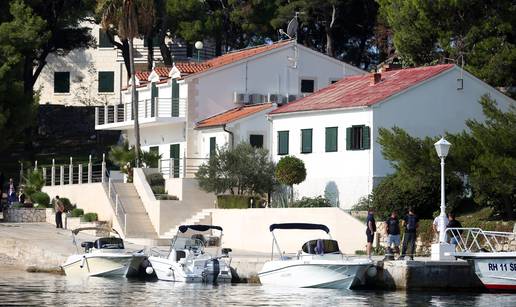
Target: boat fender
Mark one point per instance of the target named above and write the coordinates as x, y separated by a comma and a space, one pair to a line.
371, 271
149, 270
82, 261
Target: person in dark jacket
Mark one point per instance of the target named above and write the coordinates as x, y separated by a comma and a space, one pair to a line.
411, 223
453, 223
371, 229
392, 229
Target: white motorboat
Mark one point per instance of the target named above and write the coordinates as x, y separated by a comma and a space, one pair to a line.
319, 263
189, 261
105, 257
489, 254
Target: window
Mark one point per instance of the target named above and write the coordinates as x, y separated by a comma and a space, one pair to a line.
307, 86
331, 139
154, 150
175, 98
282, 142
256, 140
104, 41
306, 140
106, 81
213, 145
358, 138
62, 82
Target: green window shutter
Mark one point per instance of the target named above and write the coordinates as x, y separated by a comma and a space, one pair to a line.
154, 90
282, 142
62, 82
331, 139
348, 138
104, 41
174, 155
106, 81
256, 140
175, 98
306, 140
366, 138
213, 145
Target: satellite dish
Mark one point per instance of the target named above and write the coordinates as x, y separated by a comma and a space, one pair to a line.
292, 27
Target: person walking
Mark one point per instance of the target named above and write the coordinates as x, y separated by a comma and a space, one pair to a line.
59, 207
371, 229
411, 223
392, 230
453, 223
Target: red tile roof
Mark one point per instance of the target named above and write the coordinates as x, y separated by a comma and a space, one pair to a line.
357, 91
233, 115
142, 75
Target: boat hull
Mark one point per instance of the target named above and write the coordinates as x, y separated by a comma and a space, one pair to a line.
99, 265
496, 273
302, 274
169, 270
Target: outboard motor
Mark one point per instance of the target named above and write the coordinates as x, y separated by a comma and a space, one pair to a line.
216, 269
211, 269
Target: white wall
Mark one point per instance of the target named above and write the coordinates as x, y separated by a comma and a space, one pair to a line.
431, 109
162, 136
248, 229
344, 173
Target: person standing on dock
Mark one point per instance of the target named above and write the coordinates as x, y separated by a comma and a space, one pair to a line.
436, 225
392, 229
411, 223
371, 229
11, 192
453, 223
59, 207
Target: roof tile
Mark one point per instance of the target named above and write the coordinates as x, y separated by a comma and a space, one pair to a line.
233, 115
357, 91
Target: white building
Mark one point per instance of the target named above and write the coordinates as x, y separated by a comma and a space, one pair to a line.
175, 105
334, 131
95, 76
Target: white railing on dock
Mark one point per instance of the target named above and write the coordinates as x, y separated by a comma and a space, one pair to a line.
478, 240
180, 168
147, 108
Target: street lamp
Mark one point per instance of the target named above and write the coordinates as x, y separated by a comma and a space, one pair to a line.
198, 45
442, 147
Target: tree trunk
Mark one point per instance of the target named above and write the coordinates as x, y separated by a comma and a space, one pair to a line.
134, 104
150, 52
126, 54
291, 195
329, 43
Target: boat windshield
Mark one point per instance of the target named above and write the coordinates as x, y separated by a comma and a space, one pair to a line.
321, 246
187, 243
109, 243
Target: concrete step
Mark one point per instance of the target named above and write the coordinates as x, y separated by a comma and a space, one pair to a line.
195, 219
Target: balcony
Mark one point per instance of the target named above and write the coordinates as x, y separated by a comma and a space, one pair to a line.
151, 112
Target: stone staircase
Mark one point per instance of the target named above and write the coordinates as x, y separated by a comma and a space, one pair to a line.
201, 217
139, 225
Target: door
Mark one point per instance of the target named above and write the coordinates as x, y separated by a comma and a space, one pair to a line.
154, 149
174, 157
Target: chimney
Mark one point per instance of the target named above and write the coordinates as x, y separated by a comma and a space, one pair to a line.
376, 77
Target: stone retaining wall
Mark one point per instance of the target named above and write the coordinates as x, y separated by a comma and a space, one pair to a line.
25, 215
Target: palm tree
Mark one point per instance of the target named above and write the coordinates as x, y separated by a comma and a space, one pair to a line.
123, 13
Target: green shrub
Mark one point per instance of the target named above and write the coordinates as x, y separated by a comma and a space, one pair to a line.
41, 198
77, 212
156, 179
16, 205
312, 202
157, 189
40, 207
90, 217
235, 201
166, 197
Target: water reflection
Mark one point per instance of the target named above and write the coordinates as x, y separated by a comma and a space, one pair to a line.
21, 288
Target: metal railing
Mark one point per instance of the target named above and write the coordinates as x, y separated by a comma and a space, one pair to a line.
147, 108
478, 240
73, 173
180, 168
117, 205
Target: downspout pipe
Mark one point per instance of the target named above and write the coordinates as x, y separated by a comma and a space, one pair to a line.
231, 135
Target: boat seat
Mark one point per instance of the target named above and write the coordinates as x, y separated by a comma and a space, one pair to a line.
180, 255
87, 245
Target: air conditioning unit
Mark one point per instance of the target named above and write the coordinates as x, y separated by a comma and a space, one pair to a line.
256, 98
292, 98
240, 98
276, 98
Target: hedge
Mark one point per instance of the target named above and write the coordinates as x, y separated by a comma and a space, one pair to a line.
90, 217
236, 201
155, 179
312, 202
41, 198
77, 212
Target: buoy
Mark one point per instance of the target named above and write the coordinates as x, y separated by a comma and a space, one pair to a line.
149, 270
371, 272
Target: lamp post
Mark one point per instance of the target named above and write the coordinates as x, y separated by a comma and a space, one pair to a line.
199, 45
442, 147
